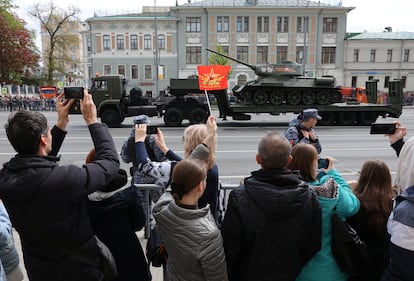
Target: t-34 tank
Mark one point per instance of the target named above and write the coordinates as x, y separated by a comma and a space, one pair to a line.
282, 83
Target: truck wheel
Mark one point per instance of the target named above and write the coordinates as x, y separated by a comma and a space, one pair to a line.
347, 118
111, 118
366, 118
197, 115
173, 117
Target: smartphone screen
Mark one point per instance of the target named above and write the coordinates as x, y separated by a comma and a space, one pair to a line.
323, 163
152, 130
383, 129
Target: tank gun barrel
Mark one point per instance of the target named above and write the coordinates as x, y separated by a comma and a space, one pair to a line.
233, 59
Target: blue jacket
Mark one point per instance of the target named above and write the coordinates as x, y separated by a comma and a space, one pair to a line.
8, 254
323, 266
401, 228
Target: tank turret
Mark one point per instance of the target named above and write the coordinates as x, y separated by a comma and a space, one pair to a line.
283, 83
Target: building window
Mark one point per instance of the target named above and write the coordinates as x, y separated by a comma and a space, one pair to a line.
281, 53
353, 81
161, 41
193, 24
107, 69
147, 42
261, 54
262, 24
356, 55
193, 55
222, 24
134, 42
242, 24
120, 44
89, 43
147, 72
386, 81
372, 56
302, 24
121, 70
299, 54
403, 80
329, 25
106, 42
389, 55
161, 72
282, 24
241, 80
134, 71
406, 55
243, 53
328, 55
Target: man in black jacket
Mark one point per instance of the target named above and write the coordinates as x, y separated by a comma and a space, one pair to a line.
47, 203
272, 225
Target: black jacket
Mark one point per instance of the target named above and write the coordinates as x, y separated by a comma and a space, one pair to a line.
47, 204
115, 217
271, 228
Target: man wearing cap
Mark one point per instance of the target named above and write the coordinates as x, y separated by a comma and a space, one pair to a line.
301, 129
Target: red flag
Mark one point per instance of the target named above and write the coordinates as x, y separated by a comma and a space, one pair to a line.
213, 77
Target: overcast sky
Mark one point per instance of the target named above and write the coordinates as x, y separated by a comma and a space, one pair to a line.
368, 15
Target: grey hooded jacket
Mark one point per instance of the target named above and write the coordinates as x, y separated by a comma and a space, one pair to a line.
192, 240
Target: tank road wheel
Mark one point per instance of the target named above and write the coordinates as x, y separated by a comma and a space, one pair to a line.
173, 117
259, 98
111, 118
367, 118
276, 98
347, 118
324, 97
197, 115
309, 97
293, 97
328, 118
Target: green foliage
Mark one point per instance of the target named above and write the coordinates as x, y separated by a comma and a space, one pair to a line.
219, 60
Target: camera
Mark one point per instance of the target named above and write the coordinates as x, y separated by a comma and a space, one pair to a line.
383, 129
323, 163
74, 93
152, 130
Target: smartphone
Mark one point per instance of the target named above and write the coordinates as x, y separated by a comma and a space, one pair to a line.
152, 130
74, 93
383, 128
323, 163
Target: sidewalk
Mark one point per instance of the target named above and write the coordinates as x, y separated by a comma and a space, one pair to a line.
155, 271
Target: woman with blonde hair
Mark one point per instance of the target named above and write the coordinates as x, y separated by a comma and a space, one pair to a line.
200, 142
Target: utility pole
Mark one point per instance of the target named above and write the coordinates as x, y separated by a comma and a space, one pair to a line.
157, 59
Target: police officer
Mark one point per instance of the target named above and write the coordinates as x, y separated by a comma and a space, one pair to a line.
301, 129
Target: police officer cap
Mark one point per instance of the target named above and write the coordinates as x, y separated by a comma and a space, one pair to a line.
141, 119
311, 113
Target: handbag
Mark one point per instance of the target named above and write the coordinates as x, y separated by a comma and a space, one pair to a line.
350, 252
156, 253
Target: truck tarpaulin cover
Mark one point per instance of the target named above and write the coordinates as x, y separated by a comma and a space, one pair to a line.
213, 77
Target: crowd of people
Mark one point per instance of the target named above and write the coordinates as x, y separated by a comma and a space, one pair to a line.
80, 222
15, 103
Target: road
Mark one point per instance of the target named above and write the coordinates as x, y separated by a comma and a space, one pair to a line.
237, 146
237, 142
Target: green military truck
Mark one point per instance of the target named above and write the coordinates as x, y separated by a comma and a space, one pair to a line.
114, 104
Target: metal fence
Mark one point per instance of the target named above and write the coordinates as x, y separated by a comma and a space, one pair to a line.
224, 191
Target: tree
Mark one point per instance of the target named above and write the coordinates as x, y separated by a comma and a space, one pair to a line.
219, 60
57, 23
18, 53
